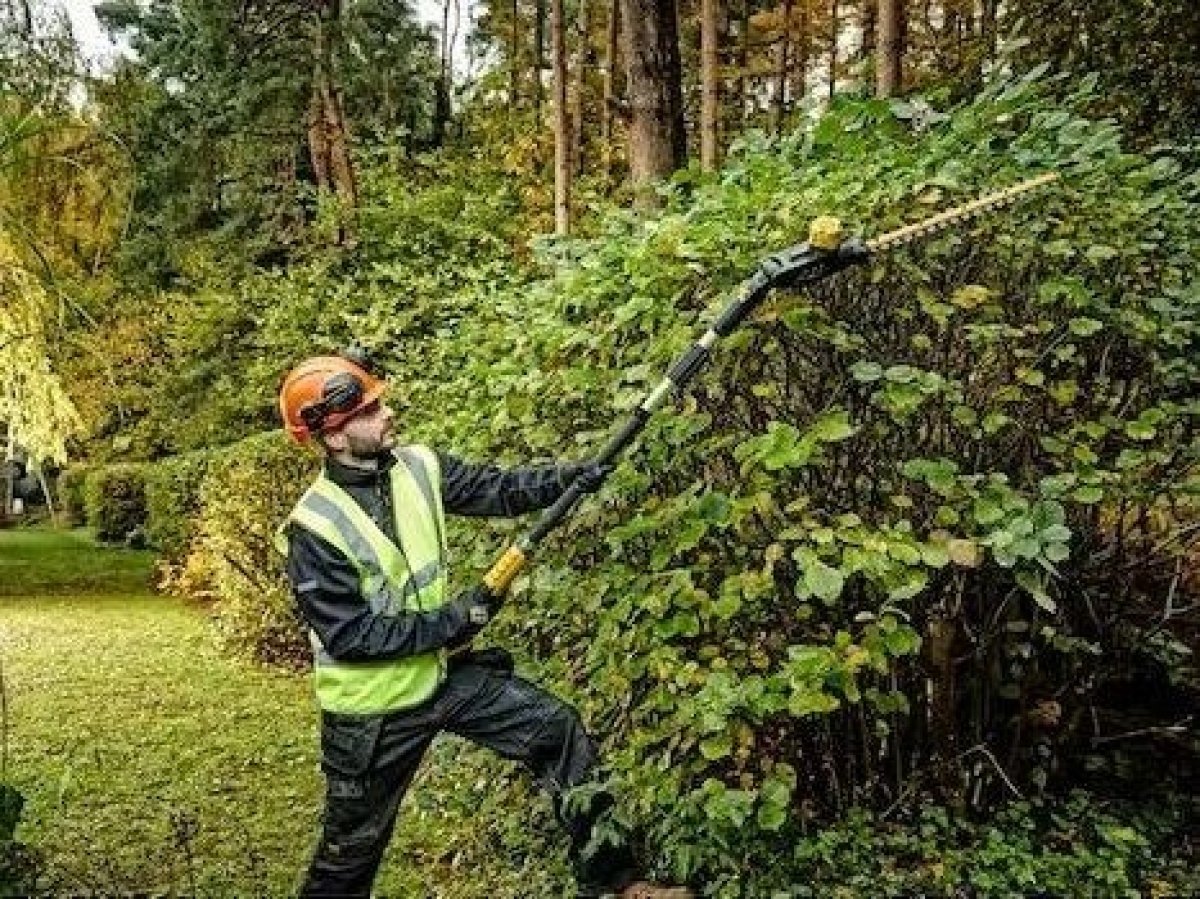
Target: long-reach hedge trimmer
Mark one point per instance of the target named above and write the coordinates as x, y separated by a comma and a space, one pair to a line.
824, 254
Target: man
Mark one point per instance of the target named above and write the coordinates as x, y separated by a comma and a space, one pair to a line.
365, 550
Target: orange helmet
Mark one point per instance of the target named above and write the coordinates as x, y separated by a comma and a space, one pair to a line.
325, 392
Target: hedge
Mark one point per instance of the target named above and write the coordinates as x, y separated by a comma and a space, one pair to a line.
173, 504
245, 493
70, 493
115, 501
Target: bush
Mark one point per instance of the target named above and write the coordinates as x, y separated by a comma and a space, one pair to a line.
70, 494
173, 504
115, 501
248, 489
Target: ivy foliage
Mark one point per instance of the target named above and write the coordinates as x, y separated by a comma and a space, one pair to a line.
901, 542
767, 612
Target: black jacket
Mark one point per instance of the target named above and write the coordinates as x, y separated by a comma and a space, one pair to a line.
325, 582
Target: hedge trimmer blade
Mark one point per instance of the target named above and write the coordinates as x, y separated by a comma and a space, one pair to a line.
944, 220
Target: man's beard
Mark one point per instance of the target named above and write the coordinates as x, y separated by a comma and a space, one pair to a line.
369, 449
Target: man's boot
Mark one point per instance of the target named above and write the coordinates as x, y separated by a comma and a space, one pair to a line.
643, 889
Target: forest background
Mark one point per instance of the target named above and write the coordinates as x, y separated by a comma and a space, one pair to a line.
901, 596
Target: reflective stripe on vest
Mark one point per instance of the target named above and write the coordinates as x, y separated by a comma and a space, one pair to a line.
409, 576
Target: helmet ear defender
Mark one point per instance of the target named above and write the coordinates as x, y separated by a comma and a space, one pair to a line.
324, 392
341, 393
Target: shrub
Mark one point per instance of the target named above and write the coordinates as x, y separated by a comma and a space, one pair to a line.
173, 503
70, 493
247, 491
115, 501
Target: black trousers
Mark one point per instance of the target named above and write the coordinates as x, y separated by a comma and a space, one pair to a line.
369, 762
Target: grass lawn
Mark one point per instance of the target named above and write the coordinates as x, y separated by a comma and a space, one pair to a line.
151, 762
35, 562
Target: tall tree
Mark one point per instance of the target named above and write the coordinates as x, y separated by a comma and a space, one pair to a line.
35, 409
583, 62
539, 56
562, 121
779, 100
888, 58
328, 128
710, 83
608, 104
834, 35
244, 103
657, 139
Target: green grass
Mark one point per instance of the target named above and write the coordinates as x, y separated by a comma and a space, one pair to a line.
37, 561
151, 762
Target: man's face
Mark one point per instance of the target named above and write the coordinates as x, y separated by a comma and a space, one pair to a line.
367, 435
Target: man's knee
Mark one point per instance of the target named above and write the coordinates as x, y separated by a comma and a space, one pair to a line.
565, 741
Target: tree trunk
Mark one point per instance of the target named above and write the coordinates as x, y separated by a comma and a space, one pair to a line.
743, 63
41, 476
328, 130
583, 61
710, 84
657, 140
441, 89
869, 10
801, 45
888, 57
951, 37
609, 100
539, 58
9, 470
779, 102
514, 70
987, 28
834, 27
562, 122
943, 700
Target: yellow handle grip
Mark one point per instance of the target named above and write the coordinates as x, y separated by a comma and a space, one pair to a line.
501, 575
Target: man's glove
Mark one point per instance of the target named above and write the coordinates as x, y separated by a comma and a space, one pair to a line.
590, 475
478, 606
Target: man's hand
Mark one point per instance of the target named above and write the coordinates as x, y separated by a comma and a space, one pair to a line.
590, 475
478, 607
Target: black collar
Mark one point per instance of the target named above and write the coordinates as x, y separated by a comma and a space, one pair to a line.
348, 476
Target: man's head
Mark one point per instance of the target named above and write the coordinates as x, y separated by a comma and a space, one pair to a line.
337, 400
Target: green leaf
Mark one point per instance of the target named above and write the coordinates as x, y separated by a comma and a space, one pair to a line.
831, 427
716, 747
988, 510
994, 421
970, 296
1085, 327
821, 580
1100, 252
772, 817
1034, 584
866, 372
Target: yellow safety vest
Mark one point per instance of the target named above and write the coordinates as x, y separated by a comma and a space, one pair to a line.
392, 579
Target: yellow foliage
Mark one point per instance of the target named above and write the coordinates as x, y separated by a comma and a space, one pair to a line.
33, 404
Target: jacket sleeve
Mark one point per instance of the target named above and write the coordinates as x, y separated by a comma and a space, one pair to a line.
325, 584
473, 489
